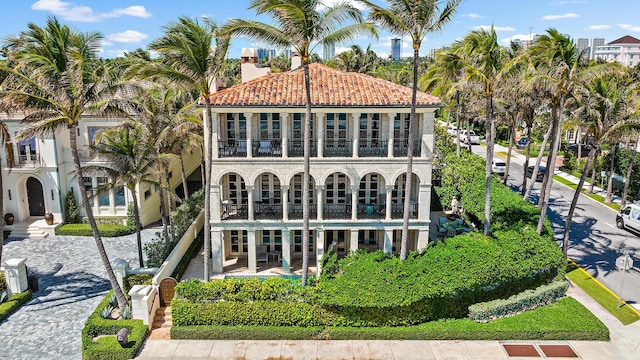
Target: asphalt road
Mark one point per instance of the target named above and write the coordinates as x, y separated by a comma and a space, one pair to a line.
596, 242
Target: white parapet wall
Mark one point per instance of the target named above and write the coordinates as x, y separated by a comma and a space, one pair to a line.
144, 303
178, 252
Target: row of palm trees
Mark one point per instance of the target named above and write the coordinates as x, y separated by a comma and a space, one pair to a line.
548, 82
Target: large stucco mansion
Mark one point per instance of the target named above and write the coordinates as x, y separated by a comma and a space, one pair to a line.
360, 127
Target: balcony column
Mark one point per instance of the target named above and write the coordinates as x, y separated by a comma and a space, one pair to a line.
423, 238
424, 201
391, 117
216, 203
353, 240
389, 206
251, 246
320, 197
215, 133
285, 202
388, 241
284, 133
286, 251
217, 251
356, 134
354, 202
250, 202
249, 117
428, 135
319, 128
96, 199
319, 249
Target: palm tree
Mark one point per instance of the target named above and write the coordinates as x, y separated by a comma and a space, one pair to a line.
416, 19
55, 77
5, 141
303, 25
609, 105
483, 61
128, 154
187, 58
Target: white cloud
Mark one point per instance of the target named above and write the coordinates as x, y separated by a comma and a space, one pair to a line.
81, 13
114, 53
341, 49
563, 16
599, 27
630, 27
508, 40
128, 37
496, 28
473, 15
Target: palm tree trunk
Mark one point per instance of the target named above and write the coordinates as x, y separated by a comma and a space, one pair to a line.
1, 212
202, 166
574, 202
589, 189
117, 290
409, 180
163, 211
526, 162
534, 174
628, 178
207, 189
169, 202
490, 129
136, 215
458, 123
612, 163
185, 187
556, 133
511, 136
551, 165
306, 181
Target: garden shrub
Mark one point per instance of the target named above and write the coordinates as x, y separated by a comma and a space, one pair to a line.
135, 279
106, 220
13, 303
3, 281
108, 347
245, 332
526, 300
71, 213
85, 230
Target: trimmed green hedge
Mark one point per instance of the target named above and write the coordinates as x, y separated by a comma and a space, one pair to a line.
545, 323
3, 281
15, 301
135, 279
107, 347
526, 300
104, 229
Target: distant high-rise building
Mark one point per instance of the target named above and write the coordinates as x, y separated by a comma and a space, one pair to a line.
583, 47
595, 42
328, 52
396, 45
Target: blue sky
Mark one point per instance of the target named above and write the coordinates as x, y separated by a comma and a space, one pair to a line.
127, 25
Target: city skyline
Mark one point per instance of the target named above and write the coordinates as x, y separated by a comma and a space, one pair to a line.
128, 25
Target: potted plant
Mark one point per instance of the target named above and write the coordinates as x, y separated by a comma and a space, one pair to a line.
8, 218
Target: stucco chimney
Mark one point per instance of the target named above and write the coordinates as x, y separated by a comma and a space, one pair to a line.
249, 65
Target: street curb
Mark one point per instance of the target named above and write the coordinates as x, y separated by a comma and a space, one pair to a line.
604, 287
581, 193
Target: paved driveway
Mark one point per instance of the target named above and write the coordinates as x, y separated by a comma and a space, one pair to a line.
72, 281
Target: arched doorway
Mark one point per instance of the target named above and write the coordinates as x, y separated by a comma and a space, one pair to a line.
35, 197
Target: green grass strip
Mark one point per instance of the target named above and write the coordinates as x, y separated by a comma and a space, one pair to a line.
595, 197
626, 314
15, 301
549, 322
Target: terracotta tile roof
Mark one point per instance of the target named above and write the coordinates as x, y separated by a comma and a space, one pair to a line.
625, 40
329, 87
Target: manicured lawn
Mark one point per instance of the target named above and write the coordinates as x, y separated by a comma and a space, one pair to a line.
14, 302
595, 197
546, 323
106, 230
602, 295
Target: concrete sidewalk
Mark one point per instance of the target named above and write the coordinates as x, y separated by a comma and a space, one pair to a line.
624, 344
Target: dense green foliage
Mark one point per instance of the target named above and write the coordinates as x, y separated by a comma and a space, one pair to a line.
107, 346
135, 279
71, 214
158, 249
526, 300
14, 302
546, 323
85, 230
3, 281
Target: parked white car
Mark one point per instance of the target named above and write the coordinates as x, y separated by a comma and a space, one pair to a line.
629, 217
452, 130
498, 167
469, 137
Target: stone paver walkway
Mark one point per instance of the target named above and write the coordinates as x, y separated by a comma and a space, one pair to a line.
72, 281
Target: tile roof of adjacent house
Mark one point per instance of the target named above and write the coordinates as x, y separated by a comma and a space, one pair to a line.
329, 88
627, 39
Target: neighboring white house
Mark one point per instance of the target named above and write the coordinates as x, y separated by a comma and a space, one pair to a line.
360, 127
43, 173
625, 50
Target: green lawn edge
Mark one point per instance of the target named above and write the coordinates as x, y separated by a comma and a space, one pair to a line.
602, 295
15, 301
105, 230
595, 197
549, 322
